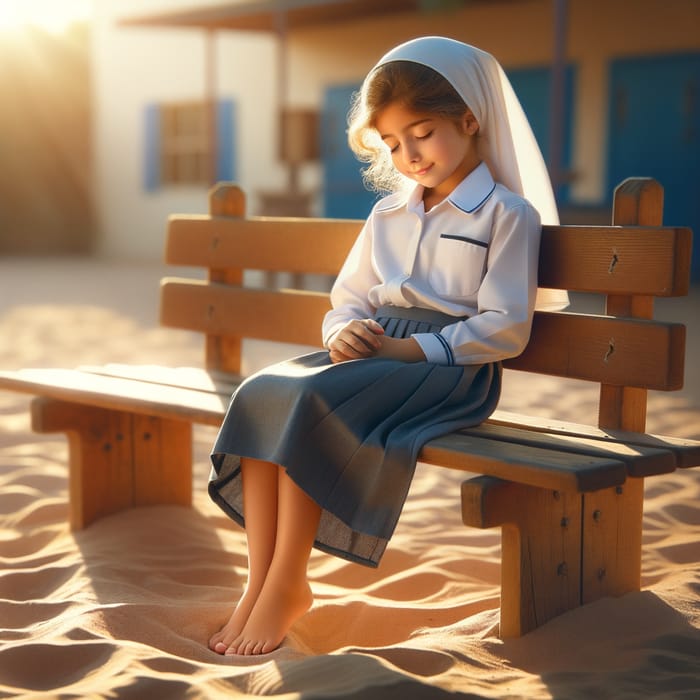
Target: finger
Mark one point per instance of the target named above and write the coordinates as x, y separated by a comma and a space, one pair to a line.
375, 327
365, 335
351, 345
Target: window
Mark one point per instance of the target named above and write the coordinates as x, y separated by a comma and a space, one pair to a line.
179, 148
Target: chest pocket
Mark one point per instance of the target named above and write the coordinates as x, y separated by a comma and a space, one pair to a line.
459, 265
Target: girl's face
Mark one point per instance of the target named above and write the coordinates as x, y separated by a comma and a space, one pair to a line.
436, 152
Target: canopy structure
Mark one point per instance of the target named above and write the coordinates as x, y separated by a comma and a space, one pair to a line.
267, 15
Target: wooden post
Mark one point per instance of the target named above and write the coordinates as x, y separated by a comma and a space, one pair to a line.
612, 519
540, 548
118, 460
225, 353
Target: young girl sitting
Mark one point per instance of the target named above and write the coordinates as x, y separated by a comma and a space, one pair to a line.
439, 287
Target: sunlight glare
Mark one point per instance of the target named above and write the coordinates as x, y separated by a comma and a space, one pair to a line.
50, 15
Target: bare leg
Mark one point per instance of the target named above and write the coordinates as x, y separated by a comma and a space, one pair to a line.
260, 503
286, 594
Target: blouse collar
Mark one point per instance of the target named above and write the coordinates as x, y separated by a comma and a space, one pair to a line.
468, 196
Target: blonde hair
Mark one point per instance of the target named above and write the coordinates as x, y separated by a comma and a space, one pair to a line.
415, 86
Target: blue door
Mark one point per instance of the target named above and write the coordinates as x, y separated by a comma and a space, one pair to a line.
344, 194
532, 86
654, 127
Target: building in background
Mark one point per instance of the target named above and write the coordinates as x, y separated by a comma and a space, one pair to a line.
184, 93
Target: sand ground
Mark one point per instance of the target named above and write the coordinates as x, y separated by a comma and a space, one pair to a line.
123, 608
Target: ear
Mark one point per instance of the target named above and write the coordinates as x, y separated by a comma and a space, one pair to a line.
469, 123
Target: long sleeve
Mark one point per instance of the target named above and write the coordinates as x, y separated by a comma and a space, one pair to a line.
505, 298
350, 292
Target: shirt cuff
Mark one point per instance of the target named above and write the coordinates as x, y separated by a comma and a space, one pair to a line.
435, 348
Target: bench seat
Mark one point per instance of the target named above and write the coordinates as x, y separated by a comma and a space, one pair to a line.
537, 452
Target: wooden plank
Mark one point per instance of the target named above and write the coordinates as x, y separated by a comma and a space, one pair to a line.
118, 460
290, 316
119, 394
616, 259
639, 202
544, 468
617, 351
686, 452
180, 377
540, 548
161, 461
612, 541
639, 460
99, 456
225, 353
260, 243
616, 549
578, 258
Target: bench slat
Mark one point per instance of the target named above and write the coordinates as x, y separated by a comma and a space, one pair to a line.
639, 460
115, 393
615, 351
631, 260
289, 316
534, 466
257, 243
620, 260
184, 377
606, 349
686, 452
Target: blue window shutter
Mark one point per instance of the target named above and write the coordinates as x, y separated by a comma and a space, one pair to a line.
151, 148
225, 133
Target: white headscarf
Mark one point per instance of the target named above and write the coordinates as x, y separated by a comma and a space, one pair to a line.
506, 141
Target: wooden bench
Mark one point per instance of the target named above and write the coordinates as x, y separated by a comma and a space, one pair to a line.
568, 497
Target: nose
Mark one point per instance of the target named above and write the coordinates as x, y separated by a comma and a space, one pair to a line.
410, 152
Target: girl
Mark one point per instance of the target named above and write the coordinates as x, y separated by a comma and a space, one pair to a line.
438, 288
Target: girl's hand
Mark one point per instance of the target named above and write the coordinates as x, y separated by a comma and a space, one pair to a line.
357, 340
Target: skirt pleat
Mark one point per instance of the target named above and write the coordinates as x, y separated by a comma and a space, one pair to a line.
348, 434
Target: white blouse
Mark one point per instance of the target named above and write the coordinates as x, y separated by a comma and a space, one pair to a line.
475, 254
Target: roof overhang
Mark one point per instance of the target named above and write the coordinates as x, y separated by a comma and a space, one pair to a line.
271, 15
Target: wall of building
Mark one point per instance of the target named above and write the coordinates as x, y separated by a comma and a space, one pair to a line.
134, 67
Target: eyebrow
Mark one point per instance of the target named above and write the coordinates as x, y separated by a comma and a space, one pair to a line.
409, 126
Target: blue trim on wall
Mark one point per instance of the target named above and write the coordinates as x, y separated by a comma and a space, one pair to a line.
151, 147
226, 130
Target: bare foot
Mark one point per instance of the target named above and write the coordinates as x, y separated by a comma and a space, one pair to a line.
220, 641
278, 607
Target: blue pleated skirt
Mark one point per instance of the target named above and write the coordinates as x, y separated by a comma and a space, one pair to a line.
348, 434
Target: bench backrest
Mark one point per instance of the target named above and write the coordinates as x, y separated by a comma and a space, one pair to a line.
630, 262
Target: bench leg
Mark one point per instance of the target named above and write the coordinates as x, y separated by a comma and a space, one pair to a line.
118, 459
559, 550
540, 549
612, 552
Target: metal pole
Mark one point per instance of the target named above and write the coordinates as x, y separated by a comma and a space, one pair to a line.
557, 94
